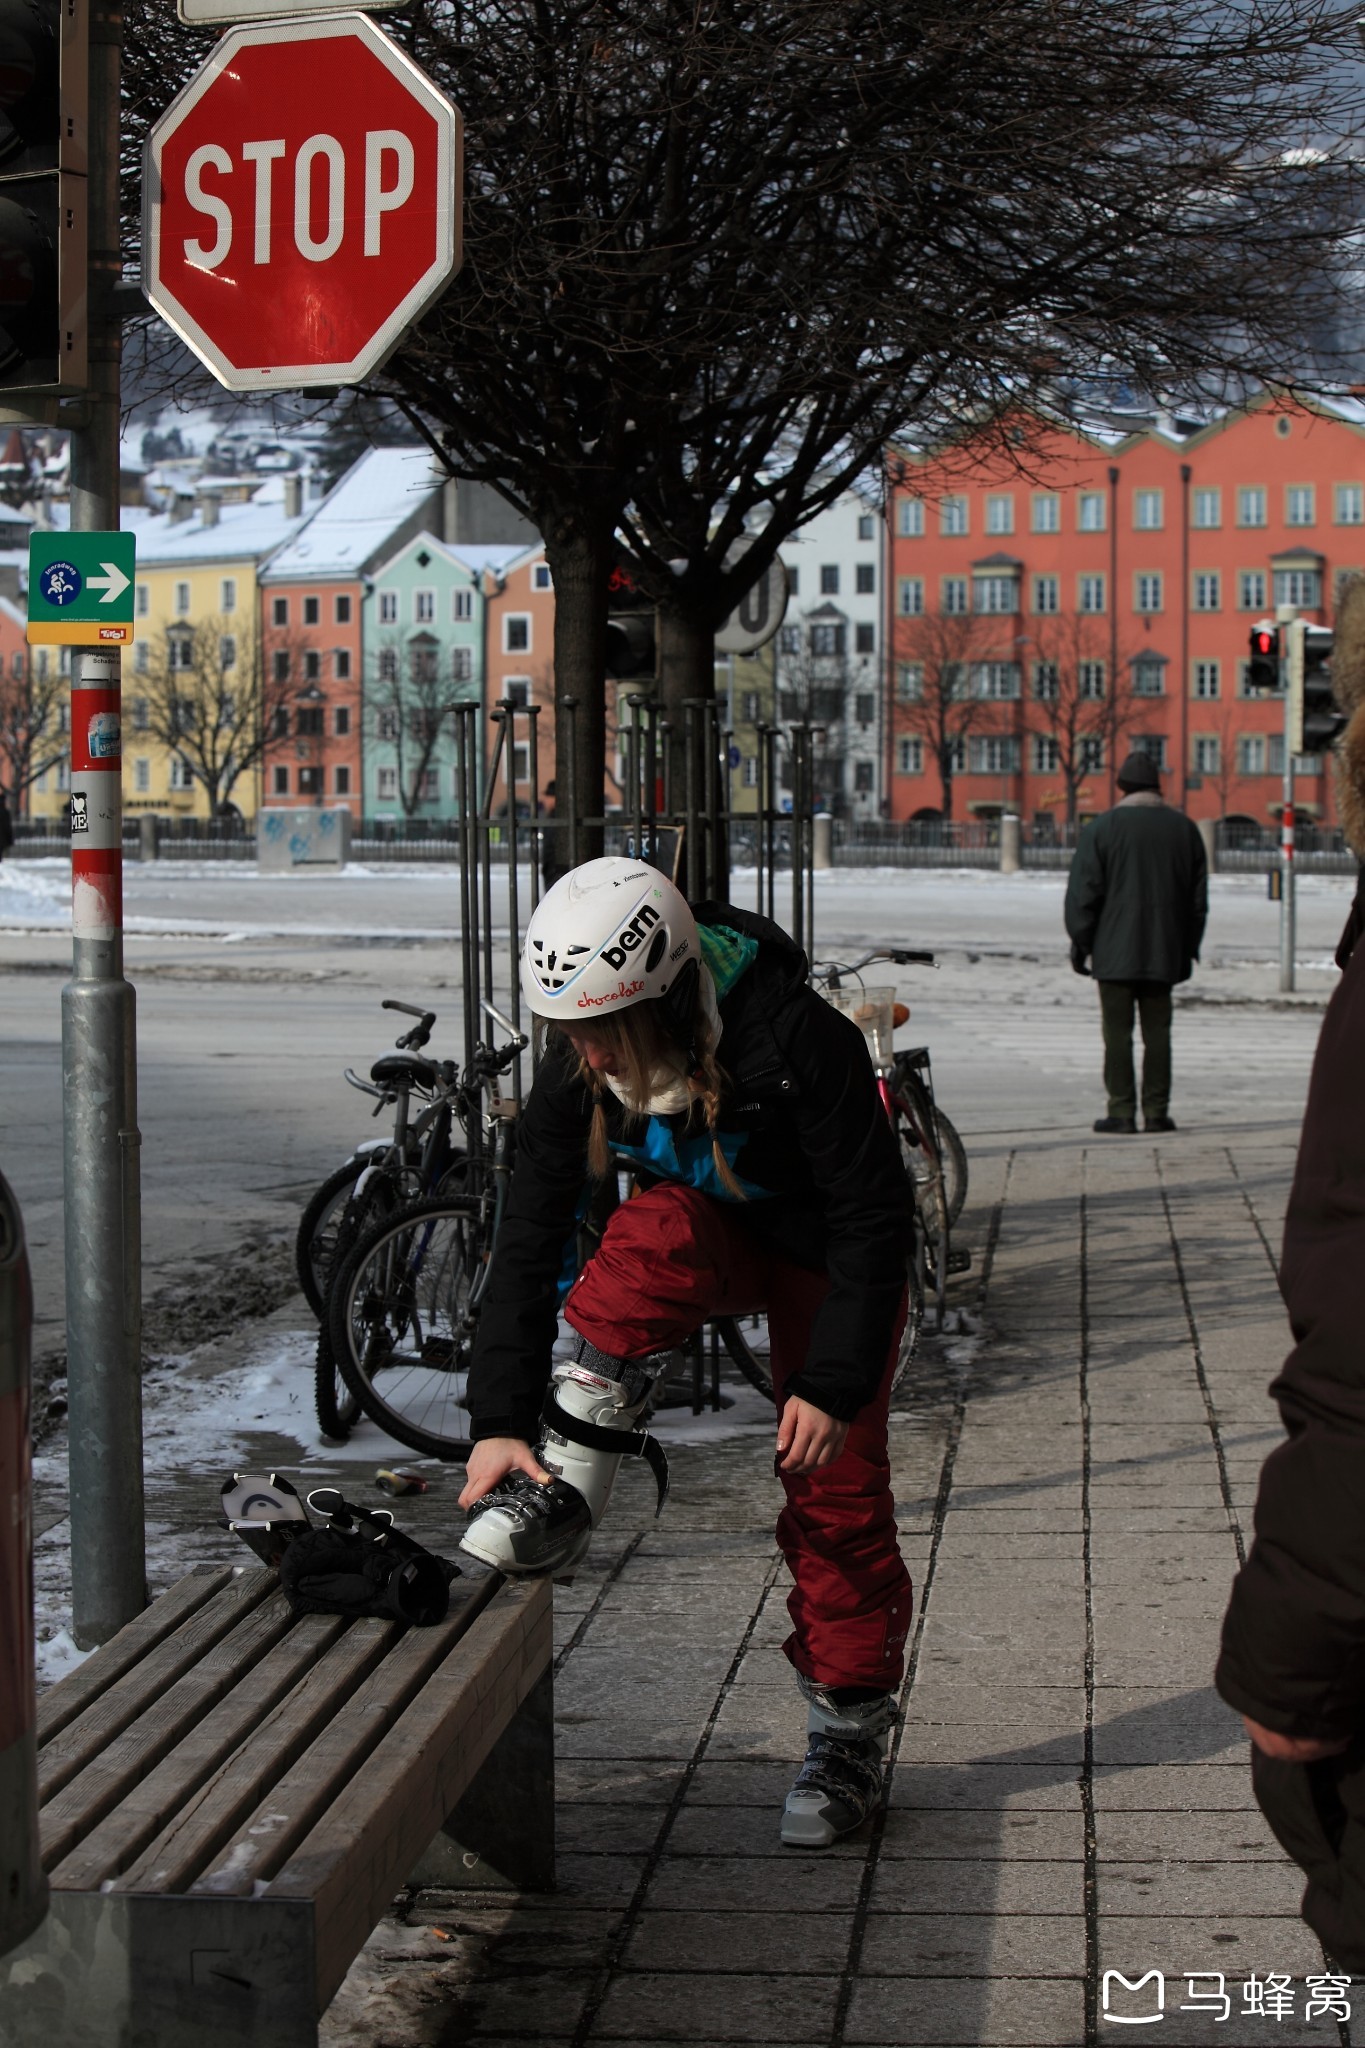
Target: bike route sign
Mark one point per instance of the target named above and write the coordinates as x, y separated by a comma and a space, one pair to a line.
80, 589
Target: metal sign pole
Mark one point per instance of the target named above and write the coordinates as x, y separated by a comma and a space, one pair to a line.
1287, 837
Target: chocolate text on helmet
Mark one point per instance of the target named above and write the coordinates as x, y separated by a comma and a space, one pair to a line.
614, 995
631, 937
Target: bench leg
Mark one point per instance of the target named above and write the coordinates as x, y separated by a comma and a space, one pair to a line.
502, 1833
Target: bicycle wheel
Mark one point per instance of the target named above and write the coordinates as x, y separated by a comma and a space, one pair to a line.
402, 1325
916, 1132
953, 1153
748, 1345
315, 1244
337, 1407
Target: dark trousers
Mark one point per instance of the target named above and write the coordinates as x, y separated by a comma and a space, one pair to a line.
1152, 1001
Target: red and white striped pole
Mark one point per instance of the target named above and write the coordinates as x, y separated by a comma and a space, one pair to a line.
96, 799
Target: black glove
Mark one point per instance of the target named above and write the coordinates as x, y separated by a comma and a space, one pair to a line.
1078, 958
327, 1571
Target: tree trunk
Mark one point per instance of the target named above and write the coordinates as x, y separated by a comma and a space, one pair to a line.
580, 559
945, 774
687, 670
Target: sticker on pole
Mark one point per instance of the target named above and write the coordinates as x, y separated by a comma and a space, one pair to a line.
80, 589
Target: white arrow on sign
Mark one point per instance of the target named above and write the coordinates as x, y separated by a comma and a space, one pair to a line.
113, 585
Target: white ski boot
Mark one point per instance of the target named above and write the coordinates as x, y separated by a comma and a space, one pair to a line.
841, 1779
590, 1407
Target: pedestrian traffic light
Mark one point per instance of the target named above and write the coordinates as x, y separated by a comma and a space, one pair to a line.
43, 162
631, 651
1263, 670
1314, 720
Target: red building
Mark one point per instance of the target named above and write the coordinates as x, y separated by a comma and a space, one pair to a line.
1058, 598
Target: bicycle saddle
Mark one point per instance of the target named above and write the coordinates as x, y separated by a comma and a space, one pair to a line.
404, 1067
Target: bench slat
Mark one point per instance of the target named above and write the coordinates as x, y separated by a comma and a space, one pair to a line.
296, 1802
85, 1801
370, 1837
150, 1805
61, 1704
114, 1709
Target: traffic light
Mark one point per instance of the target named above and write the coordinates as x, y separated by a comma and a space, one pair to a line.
43, 162
1263, 670
631, 652
1314, 720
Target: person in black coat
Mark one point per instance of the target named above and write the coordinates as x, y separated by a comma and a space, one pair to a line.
6, 825
1136, 904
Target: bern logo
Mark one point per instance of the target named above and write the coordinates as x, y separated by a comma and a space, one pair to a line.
631, 937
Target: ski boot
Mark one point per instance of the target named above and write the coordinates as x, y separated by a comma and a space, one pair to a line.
590, 1407
840, 1782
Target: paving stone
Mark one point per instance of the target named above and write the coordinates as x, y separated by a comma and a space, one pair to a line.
782, 1941
1224, 1838
814, 1883
725, 2008
966, 1741
966, 1944
626, 1782
1177, 1788
611, 1830
1024, 1885
1199, 1890
967, 2012
986, 1785
1005, 1832
1234, 1943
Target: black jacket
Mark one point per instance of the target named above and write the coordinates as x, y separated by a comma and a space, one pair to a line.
801, 1090
1293, 1652
1137, 895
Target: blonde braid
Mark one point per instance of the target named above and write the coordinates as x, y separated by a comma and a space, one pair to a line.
706, 1085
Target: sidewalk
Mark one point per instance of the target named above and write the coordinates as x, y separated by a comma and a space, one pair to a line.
1068, 1796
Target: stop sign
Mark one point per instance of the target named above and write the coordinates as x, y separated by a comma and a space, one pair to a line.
302, 203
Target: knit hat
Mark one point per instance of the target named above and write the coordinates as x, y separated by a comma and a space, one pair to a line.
1139, 771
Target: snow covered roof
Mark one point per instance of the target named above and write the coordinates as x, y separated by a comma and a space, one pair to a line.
496, 555
360, 516
241, 532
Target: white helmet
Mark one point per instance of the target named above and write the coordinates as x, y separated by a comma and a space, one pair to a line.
608, 934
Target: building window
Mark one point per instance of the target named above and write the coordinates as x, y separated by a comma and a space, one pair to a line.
1047, 682
954, 594
910, 755
1298, 505
341, 721
1207, 679
1147, 591
388, 607
179, 651
910, 518
142, 775
793, 579
865, 708
862, 778
142, 715
386, 725
541, 578
227, 651
1092, 593
279, 611
424, 607
312, 665
1000, 514
866, 526
1047, 512
279, 722
341, 780
1047, 754
995, 594
388, 664
995, 679
910, 681
829, 579
144, 600
1147, 511
280, 781
1091, 755
310, 782
1207, 509
462, 664
182, 600
1149, 677
994, 754
1251, 590
1301, 587
826, 640
910, 596
517, 690
1208, 591
462, 605
952, 516
1153, 746
431, 785
1251, 500
308, 723
1206, 757
386, 784
865, 579
864, 639
341, 664
142, 658
1251, 754
789, 639
342, 610
516, 633
312, 611
1047, 594
281, 664
750, 707
1091, 516
1350, 504
748, 772
1274, 754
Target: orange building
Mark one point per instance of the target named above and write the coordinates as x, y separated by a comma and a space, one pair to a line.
519, 663
1055, 604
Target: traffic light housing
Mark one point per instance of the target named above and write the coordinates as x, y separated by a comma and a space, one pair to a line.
1314, 720
43, 165
1263, 669
632, 654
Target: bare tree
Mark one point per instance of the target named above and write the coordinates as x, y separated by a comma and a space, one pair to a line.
812, 679
410, 700
32, 734
210, 701
1075, 704
934, 656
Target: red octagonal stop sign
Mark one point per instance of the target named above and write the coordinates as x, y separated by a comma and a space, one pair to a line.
302, 203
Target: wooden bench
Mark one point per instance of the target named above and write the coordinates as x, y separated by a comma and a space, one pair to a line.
231, 1795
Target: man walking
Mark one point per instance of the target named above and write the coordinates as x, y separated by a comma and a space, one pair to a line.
6, 825
1135, 908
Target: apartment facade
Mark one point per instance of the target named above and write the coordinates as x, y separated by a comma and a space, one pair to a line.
1048, 611
829, 653
520, 669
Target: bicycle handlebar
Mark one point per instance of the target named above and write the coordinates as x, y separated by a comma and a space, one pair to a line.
414, 1040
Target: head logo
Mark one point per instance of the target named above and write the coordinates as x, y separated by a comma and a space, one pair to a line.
631, 936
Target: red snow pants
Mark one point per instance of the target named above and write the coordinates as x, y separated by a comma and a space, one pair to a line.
668, 1260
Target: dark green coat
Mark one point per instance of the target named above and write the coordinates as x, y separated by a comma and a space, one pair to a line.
1139, 893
